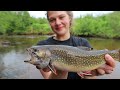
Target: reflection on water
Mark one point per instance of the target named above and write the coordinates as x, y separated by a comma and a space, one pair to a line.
12, 56
13, 53
110, 44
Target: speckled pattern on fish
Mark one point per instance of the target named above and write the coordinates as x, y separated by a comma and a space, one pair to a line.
69, 58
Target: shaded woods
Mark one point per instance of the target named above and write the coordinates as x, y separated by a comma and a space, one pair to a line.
21, 23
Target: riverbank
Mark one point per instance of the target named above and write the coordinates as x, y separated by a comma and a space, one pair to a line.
52, 34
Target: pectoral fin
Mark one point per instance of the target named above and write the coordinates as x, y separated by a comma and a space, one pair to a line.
86, 73
52, 68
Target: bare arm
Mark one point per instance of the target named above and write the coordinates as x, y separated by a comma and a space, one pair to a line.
45, 74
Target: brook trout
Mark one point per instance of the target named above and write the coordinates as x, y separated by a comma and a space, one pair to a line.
69, 58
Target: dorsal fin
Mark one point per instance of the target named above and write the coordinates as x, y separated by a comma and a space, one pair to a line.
85, 48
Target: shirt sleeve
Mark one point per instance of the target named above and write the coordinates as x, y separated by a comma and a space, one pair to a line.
86, 43
41, 43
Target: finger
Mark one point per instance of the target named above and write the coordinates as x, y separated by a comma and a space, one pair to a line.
94, 72
108, 71
106, 67
100, 71
109, 60
46, 69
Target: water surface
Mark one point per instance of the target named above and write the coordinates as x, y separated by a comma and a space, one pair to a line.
13, 53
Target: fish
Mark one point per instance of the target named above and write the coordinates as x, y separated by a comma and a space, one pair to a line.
69, 58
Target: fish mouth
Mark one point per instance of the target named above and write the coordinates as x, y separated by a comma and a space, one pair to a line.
26, 60
35, 59
33, 55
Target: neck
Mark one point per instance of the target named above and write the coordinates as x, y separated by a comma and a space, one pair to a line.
62, 37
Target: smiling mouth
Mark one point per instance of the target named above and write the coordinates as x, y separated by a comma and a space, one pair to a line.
59, 29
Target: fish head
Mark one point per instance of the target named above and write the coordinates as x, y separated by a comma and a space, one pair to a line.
39, 56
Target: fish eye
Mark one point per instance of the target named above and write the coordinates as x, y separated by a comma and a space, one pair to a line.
35, 50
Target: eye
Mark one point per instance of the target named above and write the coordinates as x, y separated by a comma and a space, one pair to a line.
51, 20
35, 50
61, 17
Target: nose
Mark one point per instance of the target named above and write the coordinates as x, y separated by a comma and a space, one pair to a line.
58, 22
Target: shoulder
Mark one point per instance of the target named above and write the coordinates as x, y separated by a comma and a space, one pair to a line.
45, 42
80, 41
84, 40
41, 42
80, 38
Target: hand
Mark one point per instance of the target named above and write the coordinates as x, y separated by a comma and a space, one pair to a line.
107, 68
47, 74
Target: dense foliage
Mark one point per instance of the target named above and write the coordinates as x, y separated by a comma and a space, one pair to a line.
20, 22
